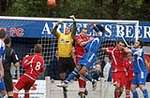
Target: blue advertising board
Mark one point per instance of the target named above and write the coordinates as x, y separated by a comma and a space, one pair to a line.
38, 27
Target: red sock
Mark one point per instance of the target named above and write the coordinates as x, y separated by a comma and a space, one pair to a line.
118, 92
15, 95
82, 83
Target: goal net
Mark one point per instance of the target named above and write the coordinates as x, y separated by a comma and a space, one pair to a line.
116, 29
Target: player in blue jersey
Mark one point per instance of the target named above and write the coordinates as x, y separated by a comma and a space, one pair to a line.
91, 48
140, 70
2, 51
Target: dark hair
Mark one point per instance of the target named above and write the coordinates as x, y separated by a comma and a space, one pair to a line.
84, 28
2, 33
141, 42
7, 40
119, 41
38, 48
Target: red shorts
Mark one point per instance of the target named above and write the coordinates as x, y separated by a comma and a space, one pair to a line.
119, 78
129, 79
128, 85
129, 76
77, 60
24, 83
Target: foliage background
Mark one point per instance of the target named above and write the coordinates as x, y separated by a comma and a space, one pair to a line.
95, 9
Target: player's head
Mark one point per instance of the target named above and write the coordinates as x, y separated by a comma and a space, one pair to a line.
84, 31
138, 44
2, 34
120, 44
67, 30
38, 48
7, 41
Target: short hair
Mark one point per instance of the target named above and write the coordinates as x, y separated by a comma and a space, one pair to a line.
7, 40
119, 41
84, 28
141, 42
38, 48
2, 33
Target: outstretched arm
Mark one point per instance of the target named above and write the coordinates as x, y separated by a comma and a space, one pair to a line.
98, 27
74, 29
54, 31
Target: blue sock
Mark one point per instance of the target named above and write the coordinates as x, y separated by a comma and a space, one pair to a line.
135, 94
73, 75
145, 93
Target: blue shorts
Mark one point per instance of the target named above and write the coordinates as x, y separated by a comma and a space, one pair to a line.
139, 78
2, 85
89, 56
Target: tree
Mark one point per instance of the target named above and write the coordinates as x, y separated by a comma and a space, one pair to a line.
28, 8
97, 9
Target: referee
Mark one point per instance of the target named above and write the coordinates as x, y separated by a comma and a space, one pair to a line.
10, 57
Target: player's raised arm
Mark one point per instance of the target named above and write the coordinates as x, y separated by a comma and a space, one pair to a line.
74, 29
98, 27
54, 30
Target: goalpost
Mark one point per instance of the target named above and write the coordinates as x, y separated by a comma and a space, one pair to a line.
128, 30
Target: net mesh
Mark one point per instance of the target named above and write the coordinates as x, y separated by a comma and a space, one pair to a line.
114, 29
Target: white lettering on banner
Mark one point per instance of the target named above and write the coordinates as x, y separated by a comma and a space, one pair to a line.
126, 30
146, 31
140, 30
120, 30
129, 32
109, 30
46, 29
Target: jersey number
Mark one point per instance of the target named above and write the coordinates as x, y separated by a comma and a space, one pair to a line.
38, 66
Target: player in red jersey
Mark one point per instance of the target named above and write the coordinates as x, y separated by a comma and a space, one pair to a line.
34, 67
80, 40
129, 73
117, 54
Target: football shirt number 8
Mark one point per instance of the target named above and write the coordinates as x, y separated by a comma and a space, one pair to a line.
38, 65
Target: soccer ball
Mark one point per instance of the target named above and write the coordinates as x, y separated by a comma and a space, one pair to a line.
51, 3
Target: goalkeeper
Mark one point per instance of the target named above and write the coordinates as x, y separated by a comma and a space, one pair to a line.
65, 49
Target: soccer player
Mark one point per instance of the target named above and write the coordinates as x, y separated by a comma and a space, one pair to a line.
117, 54
80, 40
2, 52
140, 70
128, 63
10, 57
34, 67
65, 48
